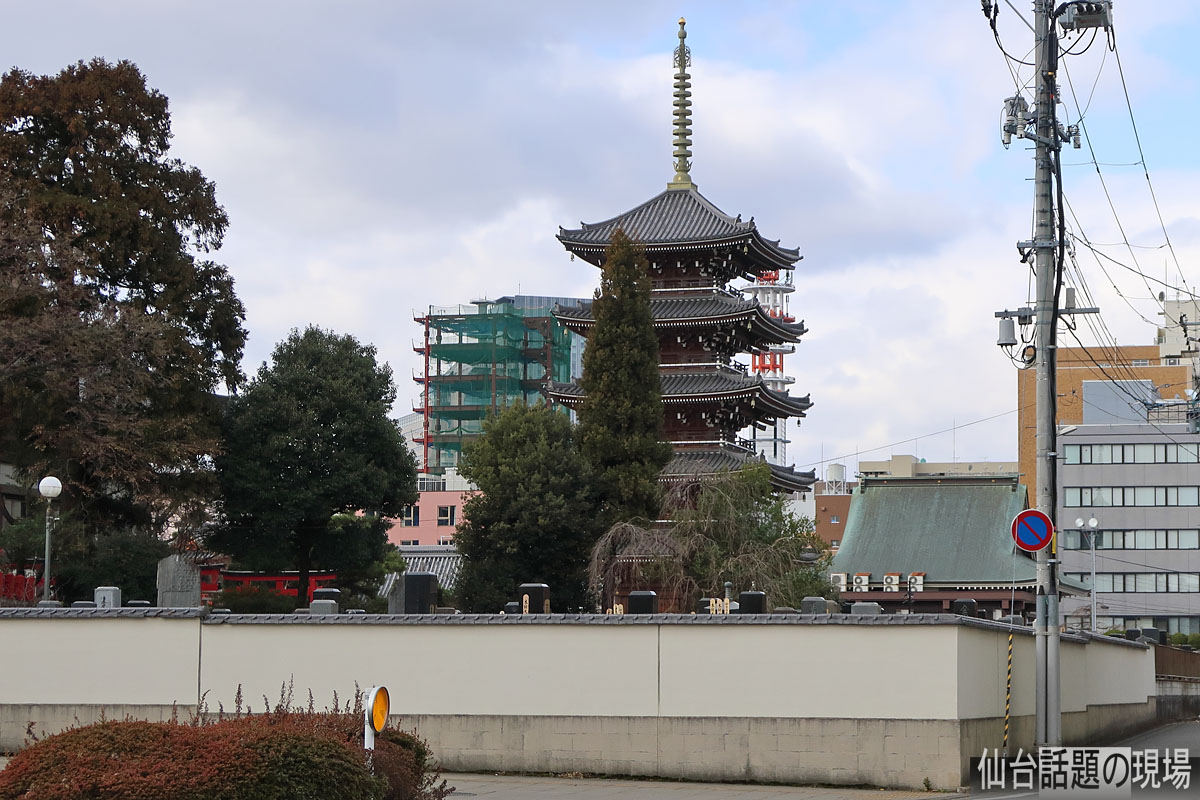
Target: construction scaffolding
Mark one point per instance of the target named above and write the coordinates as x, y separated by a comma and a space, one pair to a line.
482, 358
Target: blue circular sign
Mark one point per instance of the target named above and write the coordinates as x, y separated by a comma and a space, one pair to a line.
1032, 530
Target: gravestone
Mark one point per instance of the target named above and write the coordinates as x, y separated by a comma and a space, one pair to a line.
752, 602
819, 605
322, 608
107, 596
539, 598
642, 603
178, 583
414, 593
864, 609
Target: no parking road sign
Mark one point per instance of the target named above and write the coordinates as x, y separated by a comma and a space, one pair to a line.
1032, 530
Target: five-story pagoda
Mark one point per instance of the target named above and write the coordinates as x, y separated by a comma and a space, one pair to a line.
695, 251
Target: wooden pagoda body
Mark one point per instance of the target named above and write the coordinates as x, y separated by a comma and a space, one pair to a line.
695, 251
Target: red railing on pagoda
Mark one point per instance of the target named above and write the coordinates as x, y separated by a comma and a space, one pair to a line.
766, 362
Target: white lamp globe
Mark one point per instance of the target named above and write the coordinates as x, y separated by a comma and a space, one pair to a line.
50, 487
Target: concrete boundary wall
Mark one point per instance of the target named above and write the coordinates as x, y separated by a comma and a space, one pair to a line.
888, 701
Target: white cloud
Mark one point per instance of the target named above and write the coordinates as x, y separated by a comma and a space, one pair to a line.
381, 159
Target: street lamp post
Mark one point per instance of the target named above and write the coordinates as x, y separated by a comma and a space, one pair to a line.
1091, 534
50, 487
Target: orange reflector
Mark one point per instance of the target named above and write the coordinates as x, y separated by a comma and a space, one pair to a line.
380, 705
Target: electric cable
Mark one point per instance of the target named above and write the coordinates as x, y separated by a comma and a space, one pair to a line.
915, 438
1142, 158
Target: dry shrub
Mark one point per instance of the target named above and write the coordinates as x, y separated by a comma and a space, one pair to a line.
283, 753
232, 760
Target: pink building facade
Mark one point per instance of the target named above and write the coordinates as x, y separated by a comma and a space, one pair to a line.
436, 514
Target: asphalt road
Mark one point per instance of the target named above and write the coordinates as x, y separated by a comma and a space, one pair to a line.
1177, 734
521, 787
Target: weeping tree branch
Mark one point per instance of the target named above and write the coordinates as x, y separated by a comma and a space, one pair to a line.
732, 527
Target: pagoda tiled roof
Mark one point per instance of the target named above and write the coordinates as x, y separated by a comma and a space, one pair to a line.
697, 309
725, 383
678, 219
692, 465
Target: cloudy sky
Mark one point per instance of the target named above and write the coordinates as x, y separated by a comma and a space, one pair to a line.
379, 157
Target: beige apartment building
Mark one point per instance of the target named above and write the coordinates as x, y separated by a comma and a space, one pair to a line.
913, 467
1167, 365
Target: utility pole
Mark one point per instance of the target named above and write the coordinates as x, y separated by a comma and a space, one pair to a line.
1046, 249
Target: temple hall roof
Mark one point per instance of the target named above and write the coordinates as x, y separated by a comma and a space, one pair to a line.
676, 220
954, 529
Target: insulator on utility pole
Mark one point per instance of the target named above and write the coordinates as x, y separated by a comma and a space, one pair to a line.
1016, 115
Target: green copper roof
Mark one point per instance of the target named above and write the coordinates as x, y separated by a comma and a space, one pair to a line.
954, 529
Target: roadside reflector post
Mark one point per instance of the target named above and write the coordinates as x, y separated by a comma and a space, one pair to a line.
375, 715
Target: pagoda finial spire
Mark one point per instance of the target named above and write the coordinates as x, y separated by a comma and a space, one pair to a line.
683, 113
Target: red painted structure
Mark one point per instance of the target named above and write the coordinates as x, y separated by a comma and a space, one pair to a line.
20, 588
215, 578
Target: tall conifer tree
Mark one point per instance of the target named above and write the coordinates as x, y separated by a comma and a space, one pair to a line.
534, 517
621, 420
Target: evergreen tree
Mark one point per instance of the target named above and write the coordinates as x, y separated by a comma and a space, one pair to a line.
621, 421
534, 518
310, 440
115, 329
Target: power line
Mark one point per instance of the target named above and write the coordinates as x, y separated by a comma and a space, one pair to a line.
1108, 196
1083, 236
1093, 246
916, 438
1142, 159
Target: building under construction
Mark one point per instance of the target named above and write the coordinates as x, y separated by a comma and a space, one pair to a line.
481, 358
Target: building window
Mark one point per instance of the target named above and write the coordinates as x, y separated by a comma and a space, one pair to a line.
1141, 362
1134, 540
1131, 453
409, 542
445, 540
446, 515
1172, 361
412, 516
834, 519
1117, 496
1142, 582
